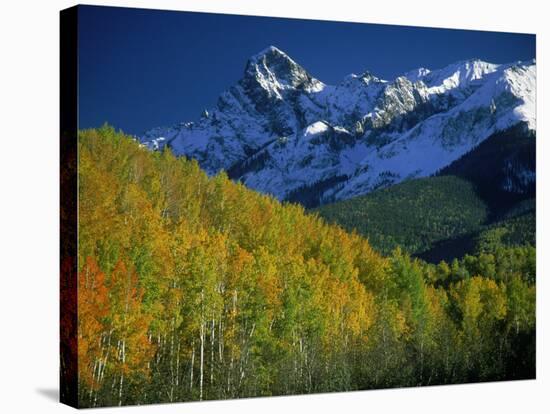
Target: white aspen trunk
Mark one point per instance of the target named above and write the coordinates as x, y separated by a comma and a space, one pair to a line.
121, 383
230, 372
202, 333
192, 366
99, 373
220, 340
118, 355
105, 359
122, 374
123, 350
96, 367
212, 339
232, 359
159, 347
294, 355
301, 357
171, 394
202, 329
178, 365
244, 361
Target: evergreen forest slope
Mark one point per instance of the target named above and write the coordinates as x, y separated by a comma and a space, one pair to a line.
486, 196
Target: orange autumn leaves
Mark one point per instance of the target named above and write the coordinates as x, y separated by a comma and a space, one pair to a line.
110, 323
93, 308
193, 287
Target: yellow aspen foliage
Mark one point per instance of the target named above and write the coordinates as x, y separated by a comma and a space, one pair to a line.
193, 287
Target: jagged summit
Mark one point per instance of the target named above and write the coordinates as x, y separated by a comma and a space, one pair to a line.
279, 130
275, 71
459, 74
366, 76
417, 74
270, 51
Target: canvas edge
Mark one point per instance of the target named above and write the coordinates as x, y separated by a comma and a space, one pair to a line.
68, 123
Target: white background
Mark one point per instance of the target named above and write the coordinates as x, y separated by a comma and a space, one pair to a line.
29, 196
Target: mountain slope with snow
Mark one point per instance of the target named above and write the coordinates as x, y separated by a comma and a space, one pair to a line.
281, 131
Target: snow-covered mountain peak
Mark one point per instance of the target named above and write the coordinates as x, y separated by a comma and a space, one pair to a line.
271, 51
458, 75
275, 71
417, 74
281, 131
521, 80
366, 77
360, 81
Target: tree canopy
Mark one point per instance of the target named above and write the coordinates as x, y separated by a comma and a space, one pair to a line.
194, 288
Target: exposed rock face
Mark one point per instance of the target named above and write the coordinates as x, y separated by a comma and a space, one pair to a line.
281, 131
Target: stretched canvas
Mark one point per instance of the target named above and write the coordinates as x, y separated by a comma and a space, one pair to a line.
257, 206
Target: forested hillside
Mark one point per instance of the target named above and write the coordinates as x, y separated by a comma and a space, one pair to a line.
437, 218
502, 168
194, 288
414, 214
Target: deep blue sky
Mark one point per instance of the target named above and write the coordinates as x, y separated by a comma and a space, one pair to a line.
144, 68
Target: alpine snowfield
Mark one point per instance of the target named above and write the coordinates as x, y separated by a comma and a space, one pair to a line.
281, 131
